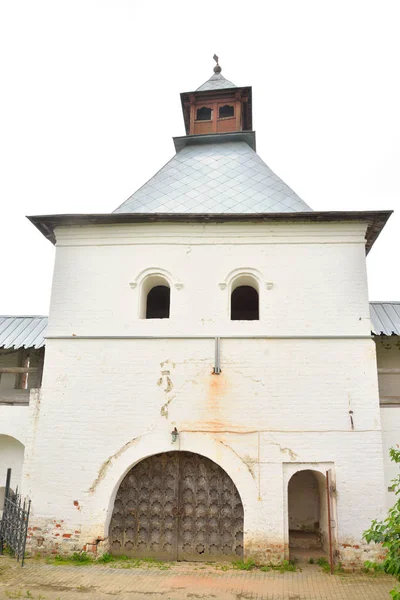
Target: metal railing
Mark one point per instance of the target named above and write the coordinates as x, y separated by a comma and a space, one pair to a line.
14, 522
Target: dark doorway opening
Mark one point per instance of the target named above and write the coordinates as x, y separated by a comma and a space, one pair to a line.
307, 512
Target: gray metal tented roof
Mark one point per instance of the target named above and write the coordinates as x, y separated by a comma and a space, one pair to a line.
216, 82
385, 318
22, 331
226, 177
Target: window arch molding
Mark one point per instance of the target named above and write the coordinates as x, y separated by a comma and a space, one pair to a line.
246, 277
148, 279
232, 279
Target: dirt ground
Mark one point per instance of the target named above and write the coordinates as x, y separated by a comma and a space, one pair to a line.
175, 581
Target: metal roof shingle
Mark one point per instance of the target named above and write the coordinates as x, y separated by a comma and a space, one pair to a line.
385, 318
22, 331
216, 82
205, 178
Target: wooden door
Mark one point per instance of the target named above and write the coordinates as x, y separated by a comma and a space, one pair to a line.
144, 522
177, 506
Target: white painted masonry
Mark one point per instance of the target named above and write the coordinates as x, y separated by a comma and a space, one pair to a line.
116, 384
388, 360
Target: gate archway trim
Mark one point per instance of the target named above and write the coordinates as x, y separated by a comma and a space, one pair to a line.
101, 503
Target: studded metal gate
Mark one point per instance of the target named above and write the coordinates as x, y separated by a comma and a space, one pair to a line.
177, 506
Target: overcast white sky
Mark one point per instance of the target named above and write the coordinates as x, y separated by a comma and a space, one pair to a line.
90, 101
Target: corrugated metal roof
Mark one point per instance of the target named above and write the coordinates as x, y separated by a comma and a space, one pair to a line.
216, 82
22, 331
385, 318
28, 331
227, 177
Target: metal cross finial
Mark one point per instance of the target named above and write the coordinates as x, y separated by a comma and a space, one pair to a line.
217, 68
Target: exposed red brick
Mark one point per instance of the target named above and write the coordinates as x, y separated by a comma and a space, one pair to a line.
67, 535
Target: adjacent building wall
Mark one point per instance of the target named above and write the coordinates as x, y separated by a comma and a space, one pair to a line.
388, 358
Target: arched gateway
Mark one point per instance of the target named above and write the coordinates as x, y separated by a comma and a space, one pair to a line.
177, 506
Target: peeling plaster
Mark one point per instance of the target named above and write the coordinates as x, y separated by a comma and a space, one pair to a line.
107, 464
165, 382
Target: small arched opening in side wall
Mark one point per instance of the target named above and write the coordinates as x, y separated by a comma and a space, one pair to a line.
307, 515
155, 298
11, 457
245, 302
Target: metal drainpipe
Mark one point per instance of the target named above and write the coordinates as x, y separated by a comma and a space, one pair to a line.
217, 367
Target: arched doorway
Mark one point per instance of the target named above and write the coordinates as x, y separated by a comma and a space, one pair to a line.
308, 520
177, 506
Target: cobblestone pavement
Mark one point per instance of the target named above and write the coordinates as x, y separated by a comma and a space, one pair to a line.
40, 581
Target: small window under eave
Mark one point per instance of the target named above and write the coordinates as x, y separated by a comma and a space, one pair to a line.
226, 111
204, 114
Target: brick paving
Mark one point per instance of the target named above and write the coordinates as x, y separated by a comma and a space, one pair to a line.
40, 581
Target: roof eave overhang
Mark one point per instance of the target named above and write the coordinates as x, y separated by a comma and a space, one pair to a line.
375, 220
216, 138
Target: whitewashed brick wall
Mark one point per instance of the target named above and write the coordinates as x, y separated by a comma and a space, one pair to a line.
107, 403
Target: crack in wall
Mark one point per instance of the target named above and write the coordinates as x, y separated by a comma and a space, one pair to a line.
107, 464
284, 450
239, 457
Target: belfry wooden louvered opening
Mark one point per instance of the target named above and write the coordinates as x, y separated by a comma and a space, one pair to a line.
177, 506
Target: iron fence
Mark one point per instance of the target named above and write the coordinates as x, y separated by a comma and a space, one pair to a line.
14, 522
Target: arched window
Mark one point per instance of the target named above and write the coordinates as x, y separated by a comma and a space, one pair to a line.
226, 111
157, 302
244, 304
245, 298
155, 293
204, 114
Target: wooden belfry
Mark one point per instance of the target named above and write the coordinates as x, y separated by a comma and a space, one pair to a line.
217, 106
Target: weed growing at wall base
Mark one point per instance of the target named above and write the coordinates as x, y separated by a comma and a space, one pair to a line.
250, 564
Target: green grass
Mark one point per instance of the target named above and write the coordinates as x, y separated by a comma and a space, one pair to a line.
283, 567
77, 558
250, 564
106, 558
244, 565
326, 567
